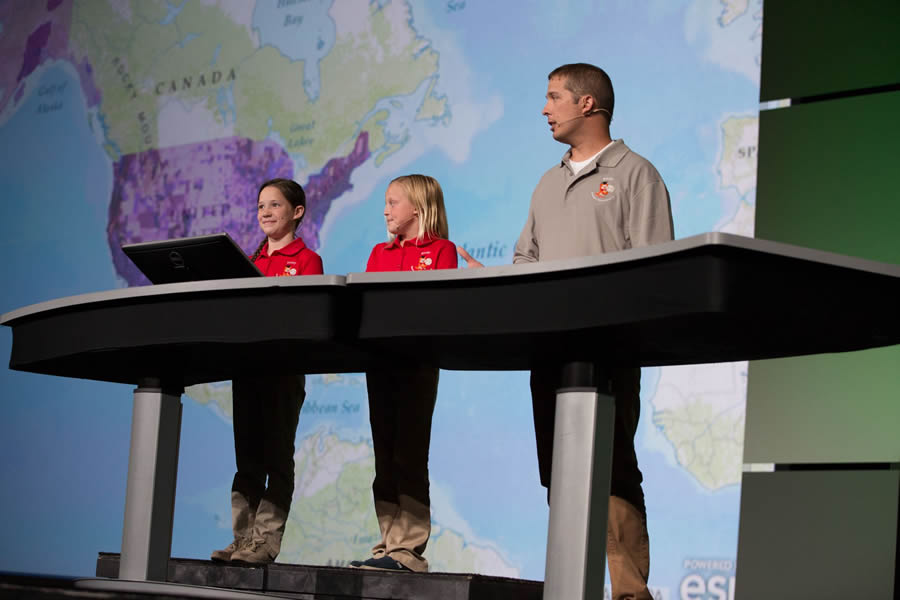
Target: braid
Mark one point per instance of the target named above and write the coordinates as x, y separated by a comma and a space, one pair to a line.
259, 249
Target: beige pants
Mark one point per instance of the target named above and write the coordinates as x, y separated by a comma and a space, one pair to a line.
627, 551
627, 544
401, 405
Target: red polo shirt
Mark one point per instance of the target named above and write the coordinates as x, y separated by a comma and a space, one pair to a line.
416, 254
293, 259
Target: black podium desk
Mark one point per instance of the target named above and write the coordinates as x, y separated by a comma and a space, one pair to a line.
709, 298
187, 333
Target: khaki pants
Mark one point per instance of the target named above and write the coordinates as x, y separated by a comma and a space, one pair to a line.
627, 540
401, 405
627, 551
266, 412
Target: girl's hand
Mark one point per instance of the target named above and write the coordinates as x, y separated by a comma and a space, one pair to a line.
471, 263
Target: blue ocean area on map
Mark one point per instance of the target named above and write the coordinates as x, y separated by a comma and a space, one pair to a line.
53, 156
299, 30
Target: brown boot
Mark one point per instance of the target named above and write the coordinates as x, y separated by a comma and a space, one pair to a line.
254, 552
243, 516
265, 541
225, 554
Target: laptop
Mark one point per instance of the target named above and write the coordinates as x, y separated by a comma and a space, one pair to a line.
214, 256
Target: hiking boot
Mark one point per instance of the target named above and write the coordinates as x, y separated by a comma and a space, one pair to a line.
254, 552
225, 554
243, 516
268, 527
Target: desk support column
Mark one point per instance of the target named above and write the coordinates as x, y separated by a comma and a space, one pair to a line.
152, 471
579, 494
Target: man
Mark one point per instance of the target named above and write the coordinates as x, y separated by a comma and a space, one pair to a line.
601, 197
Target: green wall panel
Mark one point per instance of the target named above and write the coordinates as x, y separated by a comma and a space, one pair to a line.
829, 178
829, 408
818, 47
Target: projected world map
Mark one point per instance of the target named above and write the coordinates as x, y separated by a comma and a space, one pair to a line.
141, 120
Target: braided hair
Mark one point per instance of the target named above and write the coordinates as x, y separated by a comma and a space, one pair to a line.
295, 196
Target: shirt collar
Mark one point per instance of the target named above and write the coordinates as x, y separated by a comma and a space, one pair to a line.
609, 156
292, 249
416, 242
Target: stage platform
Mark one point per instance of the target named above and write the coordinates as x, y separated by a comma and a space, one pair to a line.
337, 583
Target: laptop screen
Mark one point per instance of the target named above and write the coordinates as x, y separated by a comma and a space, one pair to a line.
214, 256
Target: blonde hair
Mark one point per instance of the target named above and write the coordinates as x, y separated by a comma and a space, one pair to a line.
427, 198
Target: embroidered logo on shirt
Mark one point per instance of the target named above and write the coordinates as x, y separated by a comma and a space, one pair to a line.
290, 268
604, 192
424, 264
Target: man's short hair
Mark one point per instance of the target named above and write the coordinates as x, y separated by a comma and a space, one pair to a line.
583, 79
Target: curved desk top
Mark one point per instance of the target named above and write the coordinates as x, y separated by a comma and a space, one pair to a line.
187, 333
708, 298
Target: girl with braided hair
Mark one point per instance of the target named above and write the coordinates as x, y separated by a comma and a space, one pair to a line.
267, 408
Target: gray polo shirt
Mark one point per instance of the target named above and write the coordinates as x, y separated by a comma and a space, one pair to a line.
617, 203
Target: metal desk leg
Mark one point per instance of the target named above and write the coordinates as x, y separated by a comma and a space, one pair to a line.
152, 471
579, 494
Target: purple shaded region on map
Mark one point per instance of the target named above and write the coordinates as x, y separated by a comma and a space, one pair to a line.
33, 33
190, 190
92, 94
324, 187
209, 187
34, 48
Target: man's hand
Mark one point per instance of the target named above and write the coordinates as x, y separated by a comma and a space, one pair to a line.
471, 263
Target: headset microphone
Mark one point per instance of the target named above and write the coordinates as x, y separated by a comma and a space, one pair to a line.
584, 116
406, 222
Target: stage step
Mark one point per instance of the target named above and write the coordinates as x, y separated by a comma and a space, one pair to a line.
337, 583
